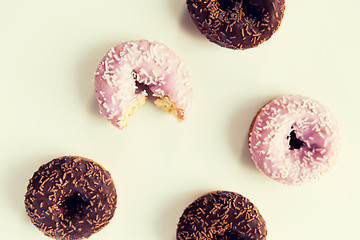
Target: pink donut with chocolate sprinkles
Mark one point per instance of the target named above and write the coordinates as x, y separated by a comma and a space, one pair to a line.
237, 24
294, 139
132, 70
221, 215
70, 198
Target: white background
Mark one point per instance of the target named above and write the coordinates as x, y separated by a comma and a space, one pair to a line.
49, 52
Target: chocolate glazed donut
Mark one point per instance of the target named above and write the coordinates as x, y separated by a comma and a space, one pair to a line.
70, 198
221, 215
237, 24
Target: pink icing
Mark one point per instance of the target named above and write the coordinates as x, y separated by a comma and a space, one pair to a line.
316, 150
145, 62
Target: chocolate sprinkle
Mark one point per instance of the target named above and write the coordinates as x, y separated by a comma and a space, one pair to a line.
70, 198
237, 24
221, 215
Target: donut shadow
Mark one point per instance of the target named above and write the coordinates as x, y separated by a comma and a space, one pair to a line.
239, 131
16, 187
85, 75
170, 214
179, 8
189, 27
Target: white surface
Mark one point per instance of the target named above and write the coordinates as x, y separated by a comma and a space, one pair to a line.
49, 52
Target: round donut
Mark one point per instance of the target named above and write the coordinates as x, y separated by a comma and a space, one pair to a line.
294, 139
237, 24
132, 65
70, 198
221, 215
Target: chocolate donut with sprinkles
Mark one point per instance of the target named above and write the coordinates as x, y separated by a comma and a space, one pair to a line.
294, 139
221, 215
237, 24
70, 198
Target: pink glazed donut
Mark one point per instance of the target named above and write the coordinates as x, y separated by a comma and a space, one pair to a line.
294, 139
132, 65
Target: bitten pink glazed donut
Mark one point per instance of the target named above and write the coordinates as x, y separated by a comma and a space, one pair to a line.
294, 139
135, 64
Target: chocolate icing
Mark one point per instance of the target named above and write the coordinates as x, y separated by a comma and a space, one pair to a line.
70, 198
221, 215
237, 24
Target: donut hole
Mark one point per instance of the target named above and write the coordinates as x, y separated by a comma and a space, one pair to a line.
294, 142
255, 9
163, 103
142, 87
73, 206
226, 5
230, 234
